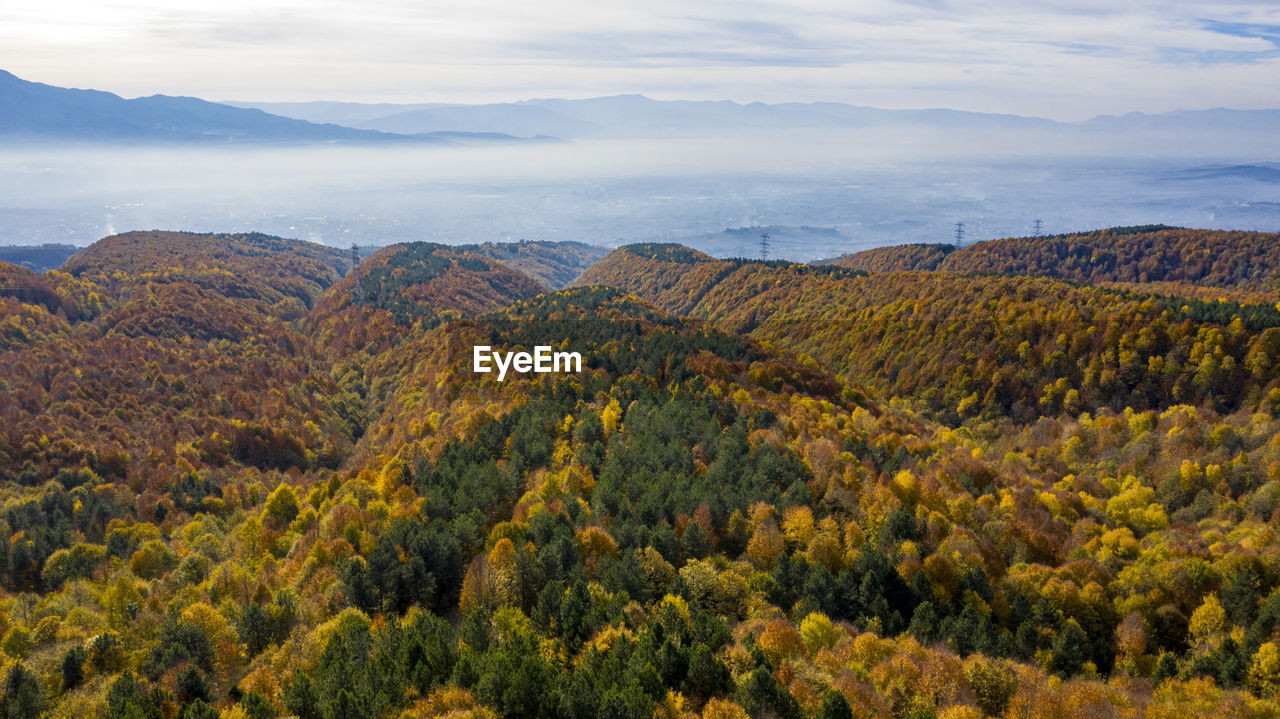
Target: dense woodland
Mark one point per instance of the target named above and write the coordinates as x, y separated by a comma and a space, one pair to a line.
978, 346
242, 479
897, 258
1230, 260
551, 264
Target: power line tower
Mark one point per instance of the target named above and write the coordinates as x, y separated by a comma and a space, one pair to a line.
356, 299
959, 234
1038, 223
764, 245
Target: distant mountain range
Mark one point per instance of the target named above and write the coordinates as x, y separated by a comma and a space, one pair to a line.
1261, 172
1267, 121
639, 116
33, 111
630, 116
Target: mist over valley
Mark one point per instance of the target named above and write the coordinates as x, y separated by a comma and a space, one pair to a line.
860, 193
822, 178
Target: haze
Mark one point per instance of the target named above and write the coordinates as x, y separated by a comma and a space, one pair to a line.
874, 187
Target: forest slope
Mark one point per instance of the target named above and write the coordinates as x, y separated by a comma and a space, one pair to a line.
1245, 261
213, 509
404, 289
968, 345
285, 274
896, 258
27, 287
156, 373
553, 265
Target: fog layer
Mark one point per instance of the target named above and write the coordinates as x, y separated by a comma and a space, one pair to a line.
876, 187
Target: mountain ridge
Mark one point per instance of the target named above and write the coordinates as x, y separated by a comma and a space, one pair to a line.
616, 115
36, 111
1227, 259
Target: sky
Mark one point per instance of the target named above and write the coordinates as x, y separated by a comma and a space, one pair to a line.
1063, 59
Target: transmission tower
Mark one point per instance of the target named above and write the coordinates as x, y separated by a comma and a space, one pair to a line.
959, 234
764, 245
356, 298
1038, 223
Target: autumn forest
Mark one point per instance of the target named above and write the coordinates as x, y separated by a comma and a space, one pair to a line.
250, 477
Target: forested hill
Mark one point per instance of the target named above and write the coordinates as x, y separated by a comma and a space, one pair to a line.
422, 277
1209, 258
33, 289
218, 503
976, 345
677, 278
147, 339
553, 265
286, 274
896, 258
371, 325
417, 284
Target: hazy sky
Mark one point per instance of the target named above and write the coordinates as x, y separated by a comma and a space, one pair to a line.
1066, 59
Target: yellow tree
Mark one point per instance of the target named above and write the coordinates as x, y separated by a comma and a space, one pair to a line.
1208, 625
1264, 670
766, 544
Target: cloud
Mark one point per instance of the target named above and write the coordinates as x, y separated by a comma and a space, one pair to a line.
1261, 31
696, 41
1062, 58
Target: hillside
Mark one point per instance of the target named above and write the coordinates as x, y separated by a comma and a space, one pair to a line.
165, 368
218, 508
27, 287
1247, 261
286, 274
553, 265
418, 283
157, 306
896, 258
368, 323
966, 345
422, 278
